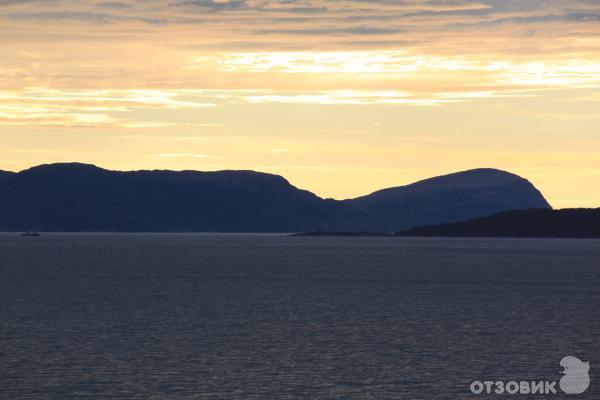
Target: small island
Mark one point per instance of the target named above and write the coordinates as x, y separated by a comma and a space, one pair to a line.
534, 223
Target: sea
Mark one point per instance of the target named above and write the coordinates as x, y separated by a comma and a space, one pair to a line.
204, 316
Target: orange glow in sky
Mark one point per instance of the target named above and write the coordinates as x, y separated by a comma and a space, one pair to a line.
342, 97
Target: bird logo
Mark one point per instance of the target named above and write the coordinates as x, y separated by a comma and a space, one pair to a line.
576, 379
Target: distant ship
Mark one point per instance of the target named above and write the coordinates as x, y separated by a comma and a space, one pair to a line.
31, 234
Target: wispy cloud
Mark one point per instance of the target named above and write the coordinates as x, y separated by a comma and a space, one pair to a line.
195, 54
89, 108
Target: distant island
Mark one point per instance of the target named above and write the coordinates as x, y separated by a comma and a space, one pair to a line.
536, 223
85, 198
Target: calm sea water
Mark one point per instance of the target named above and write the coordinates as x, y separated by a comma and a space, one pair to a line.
259, 317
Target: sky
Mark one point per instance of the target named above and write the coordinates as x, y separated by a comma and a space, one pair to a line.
342, 97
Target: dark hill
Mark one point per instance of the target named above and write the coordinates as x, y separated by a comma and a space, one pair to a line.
568, 223
5, 174
81, 197
451, 198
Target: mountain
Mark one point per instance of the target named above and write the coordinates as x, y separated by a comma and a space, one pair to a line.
5, 174
567, 223
451, 198
81, 197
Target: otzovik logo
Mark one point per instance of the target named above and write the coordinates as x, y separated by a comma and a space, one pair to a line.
575, 380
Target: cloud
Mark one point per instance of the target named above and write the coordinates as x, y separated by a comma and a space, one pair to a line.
89, 108
24, 2
358, 30
215, 5
385, 98
113, 5
88, 17
346, 98
74, 63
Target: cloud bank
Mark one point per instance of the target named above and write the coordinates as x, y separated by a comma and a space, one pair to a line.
95, 58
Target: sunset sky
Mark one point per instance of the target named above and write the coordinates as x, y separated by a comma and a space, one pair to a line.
342, 97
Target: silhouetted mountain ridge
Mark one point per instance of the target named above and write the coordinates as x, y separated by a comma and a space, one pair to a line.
5, 174
450, 198
82, 197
